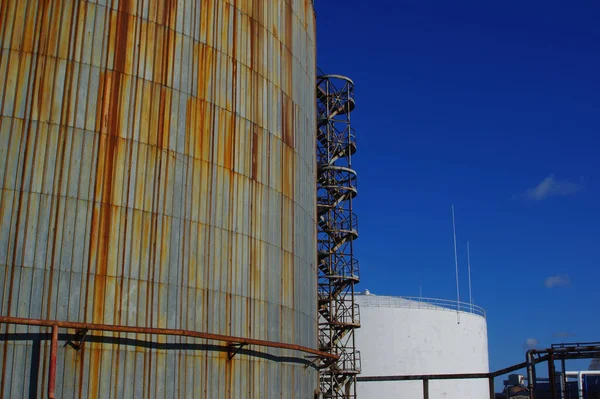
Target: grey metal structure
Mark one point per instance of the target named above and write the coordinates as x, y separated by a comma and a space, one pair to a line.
337, 229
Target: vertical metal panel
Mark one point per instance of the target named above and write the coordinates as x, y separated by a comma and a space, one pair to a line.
157, 170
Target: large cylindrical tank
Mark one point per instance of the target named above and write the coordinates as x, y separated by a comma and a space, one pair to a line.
412, 336
157, 169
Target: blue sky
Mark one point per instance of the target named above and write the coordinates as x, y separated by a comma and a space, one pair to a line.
495, 107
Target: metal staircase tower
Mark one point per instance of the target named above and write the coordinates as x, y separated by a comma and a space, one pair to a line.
337, 229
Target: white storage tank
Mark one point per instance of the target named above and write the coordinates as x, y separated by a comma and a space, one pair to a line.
412, 336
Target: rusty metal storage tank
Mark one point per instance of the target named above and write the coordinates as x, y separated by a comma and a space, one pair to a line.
157, 170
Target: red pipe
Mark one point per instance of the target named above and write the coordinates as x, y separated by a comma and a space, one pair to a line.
52, 373
161, 331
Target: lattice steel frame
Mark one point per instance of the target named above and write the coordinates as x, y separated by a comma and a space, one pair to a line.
337, 229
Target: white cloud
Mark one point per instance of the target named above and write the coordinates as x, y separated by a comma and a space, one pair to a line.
531, 343
552, 187
556, 281
563, 334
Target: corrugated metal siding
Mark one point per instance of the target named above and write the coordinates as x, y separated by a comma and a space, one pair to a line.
157, 169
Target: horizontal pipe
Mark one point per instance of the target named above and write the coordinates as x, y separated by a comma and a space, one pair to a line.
570, 350
574, 345
508, 370
446, 376
423, 377
164, 331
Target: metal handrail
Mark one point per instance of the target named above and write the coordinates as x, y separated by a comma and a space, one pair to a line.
342, 224
230, 340
341, 268
412, 302
350, 361
349, 315
162, 331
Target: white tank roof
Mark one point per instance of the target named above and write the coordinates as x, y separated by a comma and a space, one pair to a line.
368, 299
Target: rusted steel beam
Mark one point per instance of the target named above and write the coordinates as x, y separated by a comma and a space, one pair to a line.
531, 373
552, 376
52, 368
163, 331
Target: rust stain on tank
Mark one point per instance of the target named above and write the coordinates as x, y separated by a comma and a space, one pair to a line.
108, 151
288, 38
168, 13
255, 149
253, 44
165, 55
163, 121
3, 15
199, 131
105, 177
287, 121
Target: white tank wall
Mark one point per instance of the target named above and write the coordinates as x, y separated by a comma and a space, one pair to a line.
409, 339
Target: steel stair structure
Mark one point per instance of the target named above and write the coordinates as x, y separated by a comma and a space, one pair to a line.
337, 228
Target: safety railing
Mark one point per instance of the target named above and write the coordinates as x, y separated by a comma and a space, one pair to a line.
421, 303
344, 223
234, 342
337, 267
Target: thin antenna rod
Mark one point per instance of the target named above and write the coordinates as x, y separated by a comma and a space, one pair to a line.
469, 268
456, 264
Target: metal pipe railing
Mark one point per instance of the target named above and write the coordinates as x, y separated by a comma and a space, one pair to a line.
163, 331
417, 302
426, 378
561, 352
231, 340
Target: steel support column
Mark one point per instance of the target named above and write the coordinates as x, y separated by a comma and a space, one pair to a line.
563, 377
552, 376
